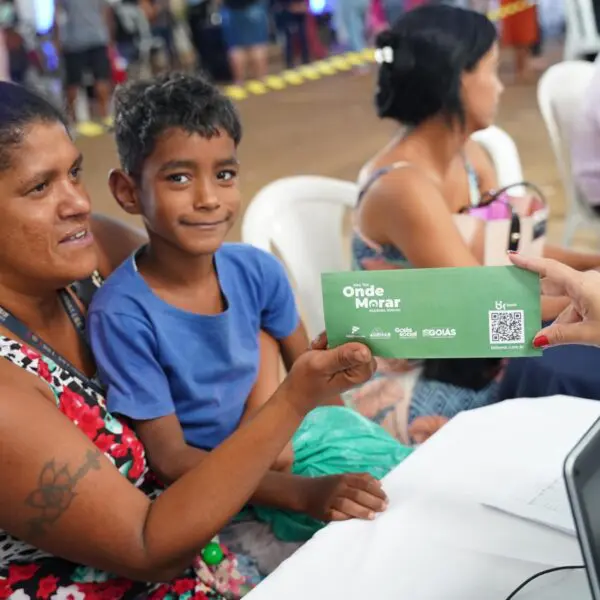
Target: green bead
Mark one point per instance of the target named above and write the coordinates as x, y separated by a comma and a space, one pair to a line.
212, 554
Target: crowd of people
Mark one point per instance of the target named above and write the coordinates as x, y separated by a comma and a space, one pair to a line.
97, 44
143, 366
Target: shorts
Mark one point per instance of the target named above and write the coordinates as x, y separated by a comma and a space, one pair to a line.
246, 27
94, 61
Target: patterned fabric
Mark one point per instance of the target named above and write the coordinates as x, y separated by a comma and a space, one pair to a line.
28, 573
399, 397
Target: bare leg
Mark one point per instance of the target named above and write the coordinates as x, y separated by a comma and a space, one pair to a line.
522, 63
72, 93
237, 61
260, 61
103, 90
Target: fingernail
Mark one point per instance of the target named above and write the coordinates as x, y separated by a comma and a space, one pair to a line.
511, 252
371, 516
541, 341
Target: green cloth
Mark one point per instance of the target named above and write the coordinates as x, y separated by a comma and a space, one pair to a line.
333, 440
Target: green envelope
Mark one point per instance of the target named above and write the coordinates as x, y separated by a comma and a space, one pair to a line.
474, 312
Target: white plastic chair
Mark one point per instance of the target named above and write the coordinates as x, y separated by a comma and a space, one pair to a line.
561, 90
582, 35
504, 154
302, 217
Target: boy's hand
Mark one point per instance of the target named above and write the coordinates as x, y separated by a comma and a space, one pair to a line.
320, 374
346, 496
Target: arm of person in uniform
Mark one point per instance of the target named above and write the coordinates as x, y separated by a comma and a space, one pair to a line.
425, 231
63, 496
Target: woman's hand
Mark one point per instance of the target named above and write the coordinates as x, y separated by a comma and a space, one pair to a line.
319, 374
579, 322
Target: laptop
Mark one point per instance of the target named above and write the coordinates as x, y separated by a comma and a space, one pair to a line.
582, 478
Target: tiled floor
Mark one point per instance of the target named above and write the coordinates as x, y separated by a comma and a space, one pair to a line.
328, 127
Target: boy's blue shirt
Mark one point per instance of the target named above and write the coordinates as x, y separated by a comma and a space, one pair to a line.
158, 360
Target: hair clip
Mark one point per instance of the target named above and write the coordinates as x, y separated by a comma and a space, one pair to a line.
384, 55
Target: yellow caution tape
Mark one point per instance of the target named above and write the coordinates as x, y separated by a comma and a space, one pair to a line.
510, 9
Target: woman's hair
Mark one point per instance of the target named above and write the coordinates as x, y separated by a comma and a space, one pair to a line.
146, 109
422, 58
20, 107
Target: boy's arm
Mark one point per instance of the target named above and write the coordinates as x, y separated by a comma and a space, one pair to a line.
124, 347
267, 382
333, 498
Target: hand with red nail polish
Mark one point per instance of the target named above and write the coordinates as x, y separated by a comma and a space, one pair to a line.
579, 322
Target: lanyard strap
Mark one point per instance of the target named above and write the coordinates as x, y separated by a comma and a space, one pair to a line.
18, 328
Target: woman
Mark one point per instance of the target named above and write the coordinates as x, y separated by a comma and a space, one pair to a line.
246, 33
438, 80
520, 31
79, 512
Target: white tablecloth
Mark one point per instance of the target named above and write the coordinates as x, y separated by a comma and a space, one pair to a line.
437, 541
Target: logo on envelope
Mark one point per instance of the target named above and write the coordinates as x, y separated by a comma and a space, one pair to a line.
371, 298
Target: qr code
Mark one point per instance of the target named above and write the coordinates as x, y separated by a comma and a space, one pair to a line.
507, 327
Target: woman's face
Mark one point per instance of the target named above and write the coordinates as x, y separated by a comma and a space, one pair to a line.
45, 237
481, 90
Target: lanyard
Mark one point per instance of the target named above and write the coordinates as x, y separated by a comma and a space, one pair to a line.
18, 328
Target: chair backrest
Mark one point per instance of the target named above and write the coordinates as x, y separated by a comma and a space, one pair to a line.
503, 152
302, 218
560, 91
582, 34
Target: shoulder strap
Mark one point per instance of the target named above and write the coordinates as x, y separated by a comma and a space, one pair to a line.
402, 164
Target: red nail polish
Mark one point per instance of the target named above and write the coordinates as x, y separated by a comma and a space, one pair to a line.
541, 342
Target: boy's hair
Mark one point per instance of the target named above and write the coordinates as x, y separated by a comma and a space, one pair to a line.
19, 108
146, 109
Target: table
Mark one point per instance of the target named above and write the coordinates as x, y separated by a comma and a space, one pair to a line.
569, 370
436, 541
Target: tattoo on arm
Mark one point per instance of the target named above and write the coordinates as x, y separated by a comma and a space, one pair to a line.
56, 491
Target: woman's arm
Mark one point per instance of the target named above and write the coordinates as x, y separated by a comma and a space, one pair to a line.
581, 261
415, 218
267, 382
486, 175
63, 496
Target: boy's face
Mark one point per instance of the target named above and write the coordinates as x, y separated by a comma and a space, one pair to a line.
188, 193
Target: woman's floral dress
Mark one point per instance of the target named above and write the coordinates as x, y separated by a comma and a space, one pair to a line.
27, 573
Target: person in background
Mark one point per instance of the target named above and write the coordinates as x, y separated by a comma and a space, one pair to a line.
353, 17
520, 31
291, 19
162, 24
438, 80
246, 31
84, 31
585, 143
393, 10
197, 17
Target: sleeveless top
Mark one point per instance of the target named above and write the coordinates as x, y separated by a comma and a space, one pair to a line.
29, 573
364, 249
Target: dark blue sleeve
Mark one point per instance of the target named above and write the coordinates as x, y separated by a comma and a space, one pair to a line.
125, 351
279, 315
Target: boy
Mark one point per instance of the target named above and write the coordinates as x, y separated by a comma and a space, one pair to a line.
175, 330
